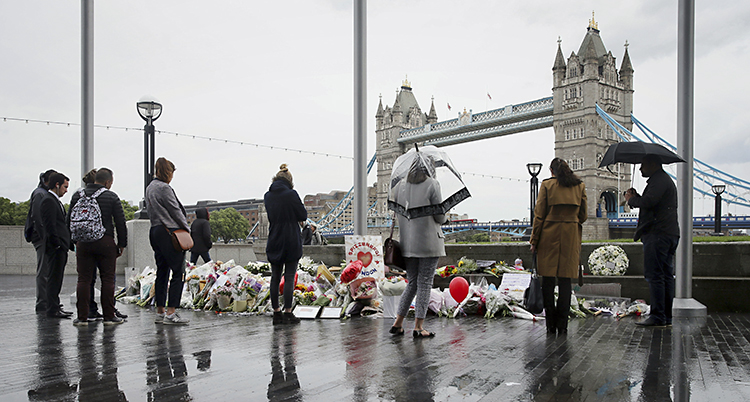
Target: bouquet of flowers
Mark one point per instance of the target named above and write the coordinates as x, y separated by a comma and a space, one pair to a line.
258, 267
363, 289
608, 260
225, 290
308, 265
446, 271
305, 298
466, 265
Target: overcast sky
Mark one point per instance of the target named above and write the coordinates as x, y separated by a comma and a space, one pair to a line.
279, 74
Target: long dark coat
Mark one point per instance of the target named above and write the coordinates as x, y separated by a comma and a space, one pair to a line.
558, 217
200, 231
285, 211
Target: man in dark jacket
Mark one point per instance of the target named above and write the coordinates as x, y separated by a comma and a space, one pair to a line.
55, 234
660, 233
102, 252
34, 237
200, 231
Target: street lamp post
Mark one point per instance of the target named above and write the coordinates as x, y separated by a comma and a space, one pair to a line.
149, 109
534, 169
717, 189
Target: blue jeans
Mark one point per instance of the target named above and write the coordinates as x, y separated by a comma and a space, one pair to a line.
658, 269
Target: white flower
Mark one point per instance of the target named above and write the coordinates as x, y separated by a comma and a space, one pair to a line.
608, 261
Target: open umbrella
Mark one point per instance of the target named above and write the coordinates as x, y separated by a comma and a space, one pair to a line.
633, 152
421, 171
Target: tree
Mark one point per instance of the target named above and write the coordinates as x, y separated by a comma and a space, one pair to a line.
128, 209
12, 213
228, 224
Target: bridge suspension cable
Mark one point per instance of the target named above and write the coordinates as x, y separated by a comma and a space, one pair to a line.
737, 189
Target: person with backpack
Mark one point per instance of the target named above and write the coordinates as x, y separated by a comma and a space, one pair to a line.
95, 214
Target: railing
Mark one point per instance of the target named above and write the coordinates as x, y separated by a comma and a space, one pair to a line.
729, 222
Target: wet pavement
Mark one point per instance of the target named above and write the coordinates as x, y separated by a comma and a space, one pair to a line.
244, 358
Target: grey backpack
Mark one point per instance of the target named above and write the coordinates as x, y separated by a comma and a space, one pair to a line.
86, 218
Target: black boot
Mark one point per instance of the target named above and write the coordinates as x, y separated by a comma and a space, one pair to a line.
277, 318
289, 318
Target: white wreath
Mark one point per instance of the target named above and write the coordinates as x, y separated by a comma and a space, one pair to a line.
608, 261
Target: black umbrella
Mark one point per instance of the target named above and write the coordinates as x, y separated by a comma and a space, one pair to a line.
633, 152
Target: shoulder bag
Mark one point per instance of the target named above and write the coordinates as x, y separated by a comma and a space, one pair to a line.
532, 297
392, 250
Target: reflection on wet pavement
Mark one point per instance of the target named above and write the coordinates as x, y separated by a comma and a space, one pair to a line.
224, 357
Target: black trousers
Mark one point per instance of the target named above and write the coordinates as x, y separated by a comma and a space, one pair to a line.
42, 272
167, 292
56, 260
556, 316
289, 269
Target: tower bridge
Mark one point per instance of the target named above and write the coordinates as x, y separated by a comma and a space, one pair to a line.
590, 109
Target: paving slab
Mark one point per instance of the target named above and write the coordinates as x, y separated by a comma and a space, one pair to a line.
245, 358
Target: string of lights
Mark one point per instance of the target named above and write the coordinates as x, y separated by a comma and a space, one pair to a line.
226, 141
201, 137
494, 177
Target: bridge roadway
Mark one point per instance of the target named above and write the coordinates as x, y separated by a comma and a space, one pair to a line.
518, 227
228, 357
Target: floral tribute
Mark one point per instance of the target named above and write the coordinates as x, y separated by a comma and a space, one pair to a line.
229, 288
608, 261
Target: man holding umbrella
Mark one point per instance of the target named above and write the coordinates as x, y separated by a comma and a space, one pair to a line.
659, 231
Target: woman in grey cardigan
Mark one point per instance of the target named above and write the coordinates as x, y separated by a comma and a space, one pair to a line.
166, 214
421, 243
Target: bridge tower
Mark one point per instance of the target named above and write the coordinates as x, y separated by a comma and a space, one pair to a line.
389, 122
581, 136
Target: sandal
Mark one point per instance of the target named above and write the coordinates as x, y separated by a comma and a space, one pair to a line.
421, 334
396, 330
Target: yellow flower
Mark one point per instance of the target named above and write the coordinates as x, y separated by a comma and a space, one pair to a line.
460, 263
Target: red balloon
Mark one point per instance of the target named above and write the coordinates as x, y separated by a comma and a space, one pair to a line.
281, 285
459, 289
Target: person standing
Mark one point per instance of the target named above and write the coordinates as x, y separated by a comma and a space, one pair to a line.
659, 231
101, 252
284, 248
307, 234
200, 231
422, 243
56, 235
166, 214
33, 234
556, 238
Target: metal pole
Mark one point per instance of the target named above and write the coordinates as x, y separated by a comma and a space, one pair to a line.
717, 217
360, 118
684, 304
152, 150
87, 86
534, 191
146, 169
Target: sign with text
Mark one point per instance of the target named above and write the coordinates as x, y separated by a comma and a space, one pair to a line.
369, 250
515, 284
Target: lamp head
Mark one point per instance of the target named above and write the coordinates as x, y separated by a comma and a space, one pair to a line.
148, 108
534, 168
718, 189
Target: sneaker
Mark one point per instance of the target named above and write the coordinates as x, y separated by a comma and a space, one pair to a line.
175, 319
119, 314
159, 319
114, 321
80, 323
95, 316
289, 318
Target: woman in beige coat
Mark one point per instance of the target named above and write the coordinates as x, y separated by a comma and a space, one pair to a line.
556, 238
